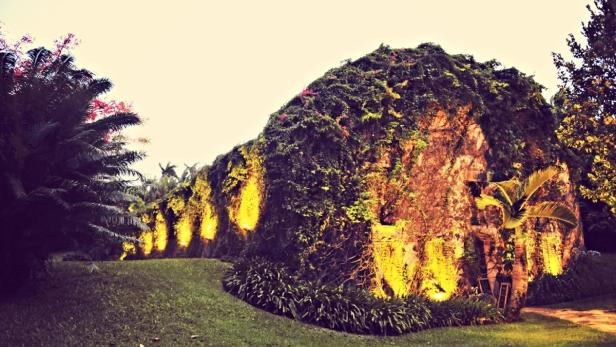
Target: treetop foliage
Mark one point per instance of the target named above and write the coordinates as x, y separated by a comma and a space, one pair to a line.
587, 103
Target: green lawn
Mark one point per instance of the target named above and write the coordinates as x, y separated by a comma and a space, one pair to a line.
132, 303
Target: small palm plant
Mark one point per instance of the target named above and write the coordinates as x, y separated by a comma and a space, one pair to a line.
512, 198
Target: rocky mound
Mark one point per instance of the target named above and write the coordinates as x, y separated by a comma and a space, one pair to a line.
369, 176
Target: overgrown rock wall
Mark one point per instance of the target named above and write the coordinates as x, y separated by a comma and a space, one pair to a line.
369, 176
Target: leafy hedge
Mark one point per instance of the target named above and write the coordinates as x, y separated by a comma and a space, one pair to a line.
591, 275
272, 287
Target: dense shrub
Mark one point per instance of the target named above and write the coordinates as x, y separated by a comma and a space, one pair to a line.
590, 275
459, 312
274, 288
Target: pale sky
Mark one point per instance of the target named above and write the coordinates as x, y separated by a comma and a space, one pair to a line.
206, 75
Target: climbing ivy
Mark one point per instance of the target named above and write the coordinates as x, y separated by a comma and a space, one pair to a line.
316, 147
326, 155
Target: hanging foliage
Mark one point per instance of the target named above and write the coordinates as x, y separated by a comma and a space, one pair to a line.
363, 177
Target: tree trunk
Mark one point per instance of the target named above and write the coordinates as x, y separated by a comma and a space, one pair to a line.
491, 269
519, 277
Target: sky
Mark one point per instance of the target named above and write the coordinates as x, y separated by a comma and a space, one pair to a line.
206, 75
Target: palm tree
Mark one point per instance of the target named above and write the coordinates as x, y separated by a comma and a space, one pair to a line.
168, 170
512, 198
63, 175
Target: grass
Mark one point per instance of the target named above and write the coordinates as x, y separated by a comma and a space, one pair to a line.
138, 302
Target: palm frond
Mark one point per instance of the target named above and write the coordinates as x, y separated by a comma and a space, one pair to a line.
509, 190
515, 218
93, 208
7, 64
74, 187
535, 181
38, 56
553, 210
119, 170
110, 234
485, 200
114, 122
81, 74
99, 86
51, 196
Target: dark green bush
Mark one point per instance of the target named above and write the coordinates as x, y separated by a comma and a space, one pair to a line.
272, 287
459, 312
590, 275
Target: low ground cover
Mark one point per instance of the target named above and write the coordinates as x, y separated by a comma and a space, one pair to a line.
172, 300
272, 287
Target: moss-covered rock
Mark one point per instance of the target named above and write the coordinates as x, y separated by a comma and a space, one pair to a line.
368, 175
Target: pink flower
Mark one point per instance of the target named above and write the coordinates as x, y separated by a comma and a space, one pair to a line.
283, 117
307, 92
393, 56
67, 43
99, 104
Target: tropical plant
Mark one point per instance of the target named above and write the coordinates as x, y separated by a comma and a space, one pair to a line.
512, 197
64, 168
168, 170
154, 189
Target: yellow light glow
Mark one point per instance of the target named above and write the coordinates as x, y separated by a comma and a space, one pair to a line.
209, 223
128, 248
160, 232
183, 229
200, 203
551, 251
394, 261
439, 296
177, 204
440, 272
146, 218
250, 202
245, 208
147, 242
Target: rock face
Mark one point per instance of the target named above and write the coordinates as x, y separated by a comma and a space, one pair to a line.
369, 176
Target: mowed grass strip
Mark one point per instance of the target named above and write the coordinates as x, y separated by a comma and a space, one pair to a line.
180, 302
